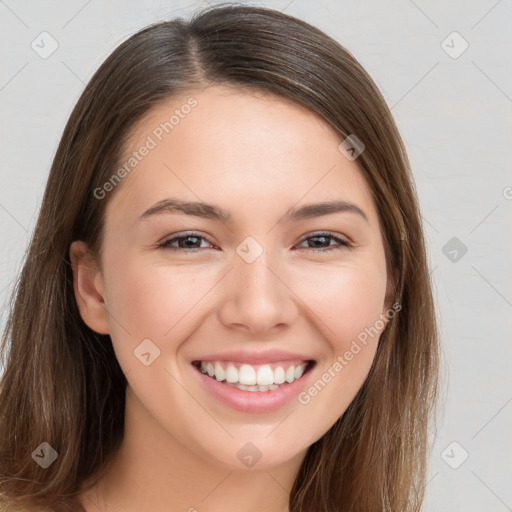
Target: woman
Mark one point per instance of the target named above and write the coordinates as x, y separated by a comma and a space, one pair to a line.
226, 301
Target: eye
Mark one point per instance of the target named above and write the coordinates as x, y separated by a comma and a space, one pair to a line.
185, 242
323, 238
188, 242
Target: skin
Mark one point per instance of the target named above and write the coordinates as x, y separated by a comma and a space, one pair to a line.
256, 156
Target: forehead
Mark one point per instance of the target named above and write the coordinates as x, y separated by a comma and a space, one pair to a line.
222, 145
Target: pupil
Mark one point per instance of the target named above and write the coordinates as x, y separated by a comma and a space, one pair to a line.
188, 238
319, 236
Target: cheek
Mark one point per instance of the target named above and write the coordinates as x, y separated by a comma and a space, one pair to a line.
347, 299
349, 305
156, 302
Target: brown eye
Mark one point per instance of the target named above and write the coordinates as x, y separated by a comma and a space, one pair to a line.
187, 242
321, 242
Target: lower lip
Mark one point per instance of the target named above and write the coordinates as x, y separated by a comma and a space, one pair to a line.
254, 401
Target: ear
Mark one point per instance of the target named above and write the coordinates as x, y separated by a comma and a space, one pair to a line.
89, 288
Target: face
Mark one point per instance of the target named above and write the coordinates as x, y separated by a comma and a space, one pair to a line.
250, 286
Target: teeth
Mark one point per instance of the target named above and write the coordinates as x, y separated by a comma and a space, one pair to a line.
220, 374
231, 374
270, 387
265, 376
247, 375
279, 375
249, 378
299, 371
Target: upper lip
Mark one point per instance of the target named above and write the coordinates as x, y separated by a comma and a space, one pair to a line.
254, 356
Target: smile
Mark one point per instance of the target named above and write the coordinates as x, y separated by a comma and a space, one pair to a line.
254, 388
248, 377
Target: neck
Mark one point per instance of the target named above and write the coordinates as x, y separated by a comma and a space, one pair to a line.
154, 471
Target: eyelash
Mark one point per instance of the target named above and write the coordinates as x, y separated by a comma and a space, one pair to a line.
342, 244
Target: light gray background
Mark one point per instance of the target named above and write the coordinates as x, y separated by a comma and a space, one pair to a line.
455, 117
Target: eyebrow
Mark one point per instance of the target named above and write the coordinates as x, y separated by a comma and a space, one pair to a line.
208, 211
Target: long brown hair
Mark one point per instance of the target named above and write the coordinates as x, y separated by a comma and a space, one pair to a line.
62, 383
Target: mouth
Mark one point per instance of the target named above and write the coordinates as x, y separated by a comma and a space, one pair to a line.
261, 378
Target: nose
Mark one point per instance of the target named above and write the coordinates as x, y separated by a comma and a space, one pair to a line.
258, 300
